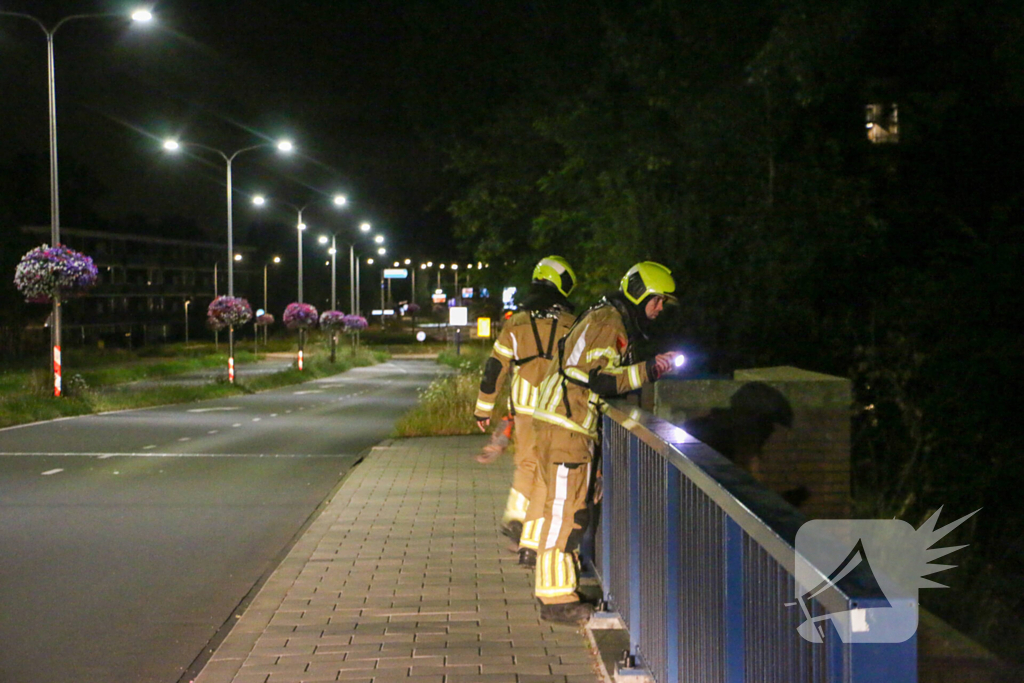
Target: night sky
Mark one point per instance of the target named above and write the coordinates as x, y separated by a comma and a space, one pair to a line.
344, 81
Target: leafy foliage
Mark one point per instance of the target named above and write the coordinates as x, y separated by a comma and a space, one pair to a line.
728, 142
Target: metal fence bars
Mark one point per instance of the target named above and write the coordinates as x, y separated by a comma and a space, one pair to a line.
698, 559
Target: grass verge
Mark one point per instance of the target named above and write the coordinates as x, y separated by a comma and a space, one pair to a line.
32, 403
446, 406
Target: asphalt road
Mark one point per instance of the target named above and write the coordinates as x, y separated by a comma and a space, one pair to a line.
127, 540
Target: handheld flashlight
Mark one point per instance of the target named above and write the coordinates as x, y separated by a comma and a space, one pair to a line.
679, 360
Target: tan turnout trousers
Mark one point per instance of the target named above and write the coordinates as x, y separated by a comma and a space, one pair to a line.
564, 461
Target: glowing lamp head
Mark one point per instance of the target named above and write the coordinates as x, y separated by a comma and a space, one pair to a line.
322, 239
172, 145
285, 146
365, 227
259, 200
340, 200
379, 239
679, 360
142, 16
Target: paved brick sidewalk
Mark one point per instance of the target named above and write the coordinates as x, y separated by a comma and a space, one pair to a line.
404, 577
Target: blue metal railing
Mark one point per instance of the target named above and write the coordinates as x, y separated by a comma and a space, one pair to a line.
698, 559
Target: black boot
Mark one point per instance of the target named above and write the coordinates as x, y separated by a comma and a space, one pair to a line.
513, 530
566, 612
527, 557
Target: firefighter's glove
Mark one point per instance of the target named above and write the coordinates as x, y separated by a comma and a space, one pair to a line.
482, 422
660, 365
493, 450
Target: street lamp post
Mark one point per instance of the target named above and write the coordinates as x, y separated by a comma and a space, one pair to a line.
187, 302
339, 200
277, 260
140, 16
282, 146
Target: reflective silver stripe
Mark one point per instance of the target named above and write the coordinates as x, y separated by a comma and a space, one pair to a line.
484, 406
634, 376
558, 508
502, 350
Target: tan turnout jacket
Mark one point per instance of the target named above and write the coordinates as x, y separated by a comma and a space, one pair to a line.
591, 367
517, 342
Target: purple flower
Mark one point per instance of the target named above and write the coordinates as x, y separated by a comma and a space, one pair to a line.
299, 316
265, 319
354, 323
330, 320
228, 311
412, 309
48, 272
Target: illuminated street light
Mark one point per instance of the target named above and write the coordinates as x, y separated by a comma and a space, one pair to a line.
338, 200
140, 16
172, 145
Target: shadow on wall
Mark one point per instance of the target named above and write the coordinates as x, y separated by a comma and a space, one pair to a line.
741, 431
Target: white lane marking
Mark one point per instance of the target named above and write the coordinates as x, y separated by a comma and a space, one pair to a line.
308, 391
213, 410
146, 448
151, 454
185, 438
49, 472
256, 419
237, 424
213, 431
273, 415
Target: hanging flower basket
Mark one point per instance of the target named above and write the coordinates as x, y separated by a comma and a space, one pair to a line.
412, 309
332, 320
355, 323
300, 316
228, 311
47, 272
264, 320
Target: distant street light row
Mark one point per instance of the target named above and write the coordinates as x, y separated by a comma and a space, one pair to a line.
144, 15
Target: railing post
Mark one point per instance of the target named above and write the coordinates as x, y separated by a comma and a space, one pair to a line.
635, 535
673, 548
608, 505
735, 642
882, 662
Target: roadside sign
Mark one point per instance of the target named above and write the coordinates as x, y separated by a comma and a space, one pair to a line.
483, 327
458, 315
438, 297
467, 292
395, 273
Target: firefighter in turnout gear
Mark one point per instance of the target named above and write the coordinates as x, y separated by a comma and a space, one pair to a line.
594, 361
524, 349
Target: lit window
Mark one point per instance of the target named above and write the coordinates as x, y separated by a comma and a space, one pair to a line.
882, 123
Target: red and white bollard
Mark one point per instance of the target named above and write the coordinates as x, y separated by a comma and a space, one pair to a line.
56, 371
231, 370
300, 359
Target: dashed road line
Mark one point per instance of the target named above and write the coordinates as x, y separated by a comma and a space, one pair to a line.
49, 472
